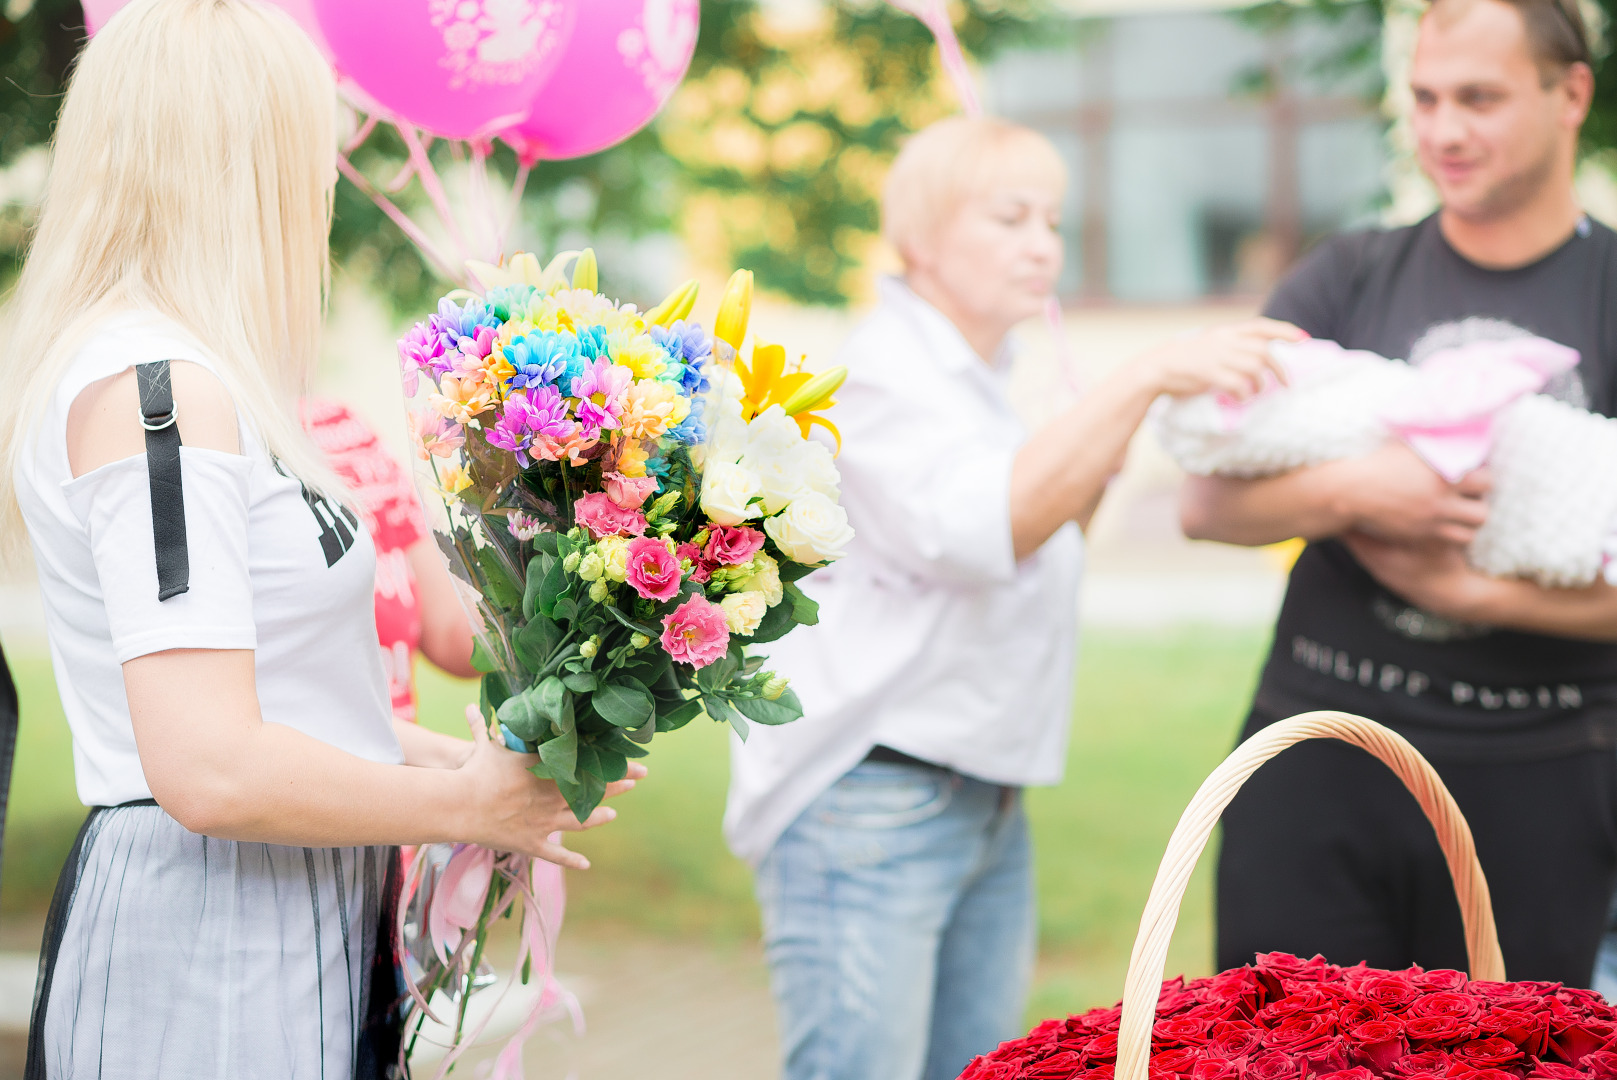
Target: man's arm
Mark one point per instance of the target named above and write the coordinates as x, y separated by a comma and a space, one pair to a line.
1435, 577
1391, 494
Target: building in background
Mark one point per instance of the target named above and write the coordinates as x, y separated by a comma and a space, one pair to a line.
1208, 147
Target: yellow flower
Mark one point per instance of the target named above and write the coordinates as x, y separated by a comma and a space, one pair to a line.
452, 480
735, 308
631, 458
637, 352
766, 382
650, 408
614, 554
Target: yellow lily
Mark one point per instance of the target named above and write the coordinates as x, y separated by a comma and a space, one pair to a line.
676, 305
804, 406
520, 269
735, 308
766, 382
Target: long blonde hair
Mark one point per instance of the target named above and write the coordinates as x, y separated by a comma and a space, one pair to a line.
192, 171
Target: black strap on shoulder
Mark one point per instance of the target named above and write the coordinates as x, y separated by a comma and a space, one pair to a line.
157, 416
8, 741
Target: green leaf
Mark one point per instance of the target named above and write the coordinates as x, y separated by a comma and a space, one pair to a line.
558, 759
481, 660
719, 709
648, 666
552, 587
638, 627
546, 542
566, 609
554, 704
616, 741
795, 571
536, 641
773, 713
580, 683
502, 591
584, 794
804, 610
536, 574
680, 715
613, 766
776, 624
496, 689
624, 702
520, 713
716, 676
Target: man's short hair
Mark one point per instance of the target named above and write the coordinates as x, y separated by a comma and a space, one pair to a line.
953, 160
1557, 33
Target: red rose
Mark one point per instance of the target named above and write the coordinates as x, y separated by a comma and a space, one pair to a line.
1390, 991
1174, 1001
1380, 1042
1273, 1066
1178, 1060
1445, 1003
1241, 988
1102, 1049
1466, 1072
984, 1069
1233, 1039
1178, 1032
1299, 1032
1527, 1028
1439, 1030
1488, 1053
1061, 1065
1353, 1013
1549, 1070
1358, 1072
1442, 979
1098, 1072
1574, 1040
1433, 1064
1600, 1063
1213, 1069
1332, 1055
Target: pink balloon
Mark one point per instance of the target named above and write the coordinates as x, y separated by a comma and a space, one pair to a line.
461, 69
622, 64
97, 12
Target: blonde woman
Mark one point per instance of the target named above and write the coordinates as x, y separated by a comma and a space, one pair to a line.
208, 594
886, 826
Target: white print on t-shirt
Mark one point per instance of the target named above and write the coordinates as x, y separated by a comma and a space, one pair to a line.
1390, 678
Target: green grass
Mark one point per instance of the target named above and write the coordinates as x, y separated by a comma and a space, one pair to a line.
1155, 713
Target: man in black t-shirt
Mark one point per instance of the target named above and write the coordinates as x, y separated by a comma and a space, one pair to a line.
1510, 689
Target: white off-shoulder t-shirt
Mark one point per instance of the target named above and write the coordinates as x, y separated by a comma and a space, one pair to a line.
273, 569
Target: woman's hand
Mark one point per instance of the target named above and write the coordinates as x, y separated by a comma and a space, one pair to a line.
513, 810
1234, 359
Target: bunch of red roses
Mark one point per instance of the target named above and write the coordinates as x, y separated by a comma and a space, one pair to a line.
1291, 1019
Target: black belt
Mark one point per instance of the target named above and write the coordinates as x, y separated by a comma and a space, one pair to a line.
898, 757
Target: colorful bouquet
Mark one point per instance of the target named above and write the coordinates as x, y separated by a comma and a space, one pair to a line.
631, 505
1291, 1019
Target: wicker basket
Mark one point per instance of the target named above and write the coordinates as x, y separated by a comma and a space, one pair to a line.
1568, 1026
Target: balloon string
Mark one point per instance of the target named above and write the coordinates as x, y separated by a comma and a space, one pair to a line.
434, 187
399, 218
361, 135
483, 200
518, 185
936, 19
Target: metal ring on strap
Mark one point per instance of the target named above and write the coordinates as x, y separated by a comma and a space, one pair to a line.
166, 421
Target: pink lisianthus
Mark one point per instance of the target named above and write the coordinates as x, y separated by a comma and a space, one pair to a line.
631, 492
696, 633
603, 517
651, 570
732, 545
436, 434
701, 570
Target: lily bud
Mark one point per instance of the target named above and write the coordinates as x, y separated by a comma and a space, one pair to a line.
586, 274
735, 309
676, 305
816, 393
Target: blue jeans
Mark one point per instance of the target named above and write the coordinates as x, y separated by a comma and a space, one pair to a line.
898, 921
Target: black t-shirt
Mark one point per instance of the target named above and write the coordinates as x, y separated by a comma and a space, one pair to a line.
1457, 691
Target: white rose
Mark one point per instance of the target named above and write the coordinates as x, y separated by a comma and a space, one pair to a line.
788, 465
726, 490
743, 611
765, 578
812, 529
820, 470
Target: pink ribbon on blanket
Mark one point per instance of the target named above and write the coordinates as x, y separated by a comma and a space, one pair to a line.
1448, 414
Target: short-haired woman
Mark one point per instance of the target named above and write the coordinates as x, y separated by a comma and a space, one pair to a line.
892, 855
207, 593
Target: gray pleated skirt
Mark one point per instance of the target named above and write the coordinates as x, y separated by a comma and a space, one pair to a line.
173, 955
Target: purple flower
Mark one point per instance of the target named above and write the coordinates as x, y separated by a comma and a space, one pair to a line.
685, 341
540, 413
420, 349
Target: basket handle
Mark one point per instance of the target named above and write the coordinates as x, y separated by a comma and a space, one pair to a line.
1144, 982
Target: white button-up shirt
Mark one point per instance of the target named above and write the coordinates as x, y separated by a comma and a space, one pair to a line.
933, 639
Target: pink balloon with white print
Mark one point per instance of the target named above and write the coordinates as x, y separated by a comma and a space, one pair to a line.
459, 69
621, 66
